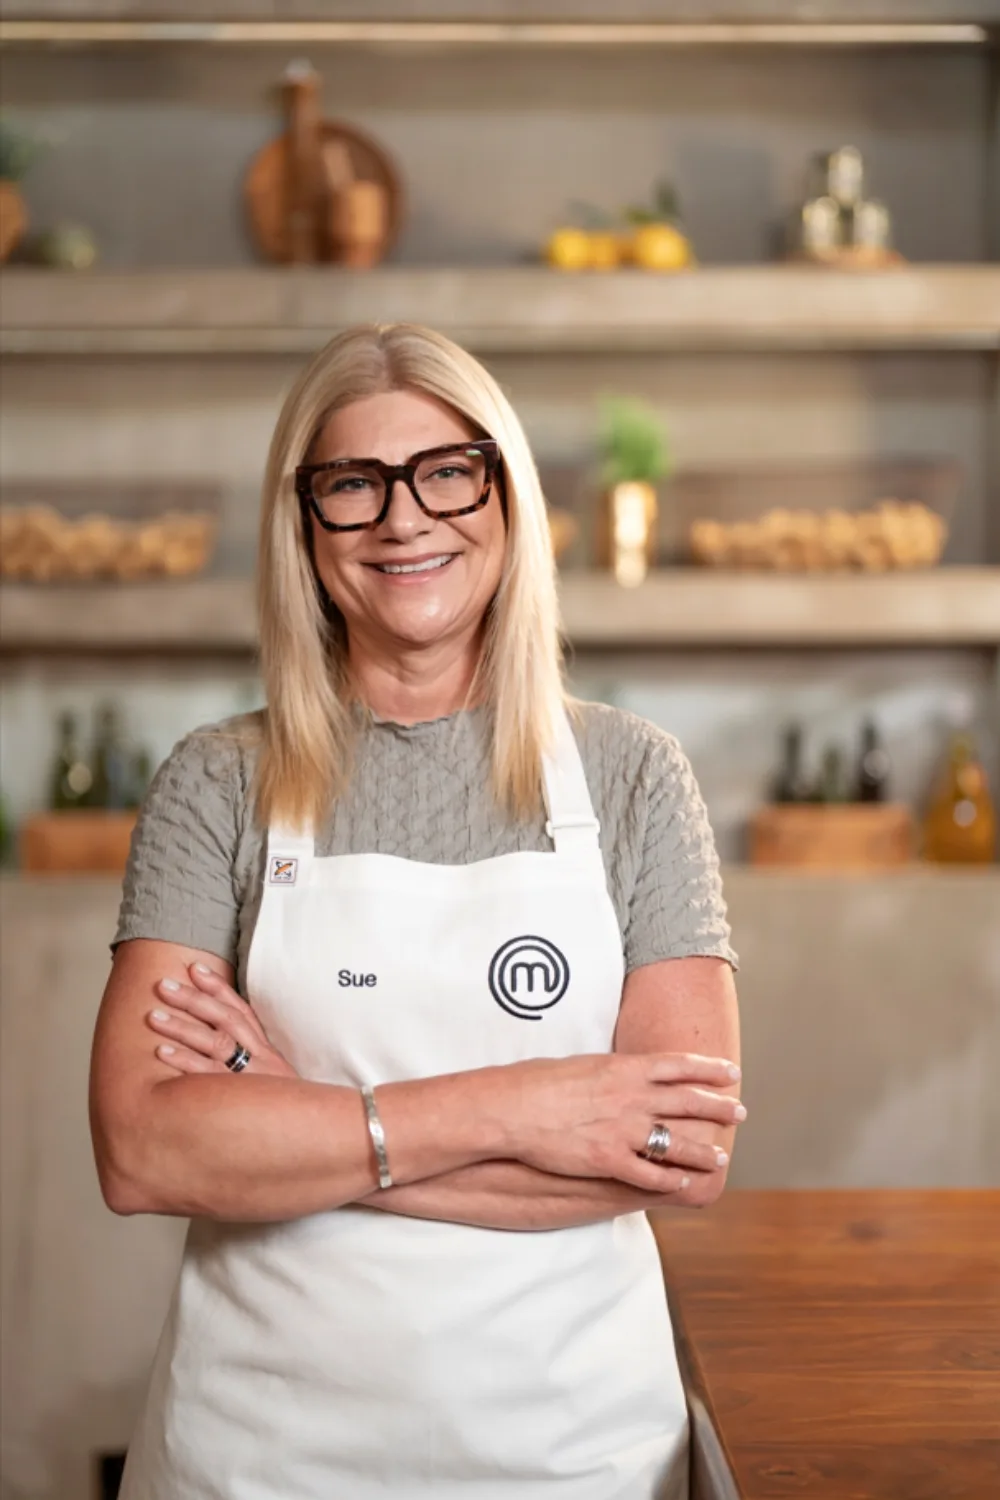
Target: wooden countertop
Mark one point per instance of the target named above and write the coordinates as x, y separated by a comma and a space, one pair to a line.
840, 1345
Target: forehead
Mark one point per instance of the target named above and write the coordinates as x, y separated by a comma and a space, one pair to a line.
390, 426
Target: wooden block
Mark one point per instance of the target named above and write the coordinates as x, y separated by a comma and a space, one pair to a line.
853, 836
76, 842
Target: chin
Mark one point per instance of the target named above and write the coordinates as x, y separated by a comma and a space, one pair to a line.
419, 630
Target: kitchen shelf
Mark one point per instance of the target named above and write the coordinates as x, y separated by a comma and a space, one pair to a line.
480, 23
675, 608
690, 607
499, 310
489, 33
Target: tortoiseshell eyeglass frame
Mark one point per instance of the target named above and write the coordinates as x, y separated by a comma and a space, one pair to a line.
390, 473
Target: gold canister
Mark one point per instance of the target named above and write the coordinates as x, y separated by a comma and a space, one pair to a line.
627, 531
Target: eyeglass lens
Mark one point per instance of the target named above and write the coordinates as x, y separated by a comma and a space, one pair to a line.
355, 494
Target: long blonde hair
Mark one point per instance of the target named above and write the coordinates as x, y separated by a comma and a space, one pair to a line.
308, 730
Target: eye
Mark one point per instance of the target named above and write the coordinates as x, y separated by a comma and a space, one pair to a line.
351, 484
450, 471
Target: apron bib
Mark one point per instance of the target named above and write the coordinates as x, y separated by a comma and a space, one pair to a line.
360, 1355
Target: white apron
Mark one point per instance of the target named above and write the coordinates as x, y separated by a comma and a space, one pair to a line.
358, 1354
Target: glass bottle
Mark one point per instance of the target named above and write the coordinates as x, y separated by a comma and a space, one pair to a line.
141, 775
960, 826
6, 831
110, 762
871, 782
832, 782
791, 784
70, 780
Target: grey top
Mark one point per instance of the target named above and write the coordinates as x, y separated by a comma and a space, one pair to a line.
422, 792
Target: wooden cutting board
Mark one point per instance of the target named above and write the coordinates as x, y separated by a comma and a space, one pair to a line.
267, 189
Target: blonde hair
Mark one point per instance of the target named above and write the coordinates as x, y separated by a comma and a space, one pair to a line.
308, 728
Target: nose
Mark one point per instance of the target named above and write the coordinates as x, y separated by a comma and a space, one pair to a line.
405, 520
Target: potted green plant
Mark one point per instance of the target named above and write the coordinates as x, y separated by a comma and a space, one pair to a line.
635, 454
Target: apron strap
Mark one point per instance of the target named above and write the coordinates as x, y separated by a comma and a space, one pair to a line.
572, 824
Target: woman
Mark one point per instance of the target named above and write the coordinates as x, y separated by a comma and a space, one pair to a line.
491, 1013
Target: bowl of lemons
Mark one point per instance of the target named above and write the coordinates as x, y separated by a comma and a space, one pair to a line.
649, 237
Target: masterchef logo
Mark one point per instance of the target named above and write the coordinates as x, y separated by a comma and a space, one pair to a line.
527, 976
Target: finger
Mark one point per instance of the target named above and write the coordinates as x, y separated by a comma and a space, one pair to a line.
182, 1060
692, 1067
685, 1102
701, 1156
210, 983
190, 1033
208, 1041
638, 1172
214, 1012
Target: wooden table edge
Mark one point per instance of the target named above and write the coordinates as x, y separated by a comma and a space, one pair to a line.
713, 1472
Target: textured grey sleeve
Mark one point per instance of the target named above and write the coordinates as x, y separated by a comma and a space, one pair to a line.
179, 882
677, 908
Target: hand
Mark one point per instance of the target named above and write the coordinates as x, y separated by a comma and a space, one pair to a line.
591, 1116
206, 1021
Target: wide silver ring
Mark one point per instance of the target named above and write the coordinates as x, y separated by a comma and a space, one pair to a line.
239, 1060
658, 1143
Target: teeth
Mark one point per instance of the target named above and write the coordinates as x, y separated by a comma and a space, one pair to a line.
422, 567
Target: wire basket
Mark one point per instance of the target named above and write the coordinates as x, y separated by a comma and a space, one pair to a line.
62, 532
872, 516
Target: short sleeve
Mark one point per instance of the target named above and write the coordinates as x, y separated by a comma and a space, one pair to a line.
677, 909
179, 882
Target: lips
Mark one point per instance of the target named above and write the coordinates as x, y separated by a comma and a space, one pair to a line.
415, 565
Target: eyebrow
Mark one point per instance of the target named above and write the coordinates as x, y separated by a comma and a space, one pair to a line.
463, 444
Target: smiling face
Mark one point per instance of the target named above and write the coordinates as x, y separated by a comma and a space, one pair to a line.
414, 581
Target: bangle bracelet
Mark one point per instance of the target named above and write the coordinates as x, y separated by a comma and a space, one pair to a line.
377, 1134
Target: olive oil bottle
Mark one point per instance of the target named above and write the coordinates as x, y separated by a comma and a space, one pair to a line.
960, 826
71, 779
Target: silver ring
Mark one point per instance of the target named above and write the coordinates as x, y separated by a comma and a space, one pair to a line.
658, 1143
239, 1059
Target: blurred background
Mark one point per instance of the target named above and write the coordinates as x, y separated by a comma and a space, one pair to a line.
736, 266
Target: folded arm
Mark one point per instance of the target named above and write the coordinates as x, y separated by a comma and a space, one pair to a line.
678, 1005
254, 1147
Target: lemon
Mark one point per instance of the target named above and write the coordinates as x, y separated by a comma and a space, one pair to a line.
661, 247
605, 250
569, 249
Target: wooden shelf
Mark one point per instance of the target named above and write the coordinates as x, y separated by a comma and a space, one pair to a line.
688, 607
497, 310
241, 22
673, 609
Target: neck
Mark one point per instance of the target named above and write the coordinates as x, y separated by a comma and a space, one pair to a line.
413, 686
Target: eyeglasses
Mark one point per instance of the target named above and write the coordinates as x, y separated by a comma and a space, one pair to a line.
354, 494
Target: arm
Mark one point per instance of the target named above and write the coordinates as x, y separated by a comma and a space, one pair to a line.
677, 1005
266, 1145
271, 1148
687, 1003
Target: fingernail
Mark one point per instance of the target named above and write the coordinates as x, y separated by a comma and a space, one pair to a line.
169, 984
733, 1071
202, 969
740, 1113
160, 1015
721, 1157
166, 1051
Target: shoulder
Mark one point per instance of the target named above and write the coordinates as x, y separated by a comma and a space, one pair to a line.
214, 758
203, 788
616, 744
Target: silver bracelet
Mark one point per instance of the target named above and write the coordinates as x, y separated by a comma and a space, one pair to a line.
377, 1134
